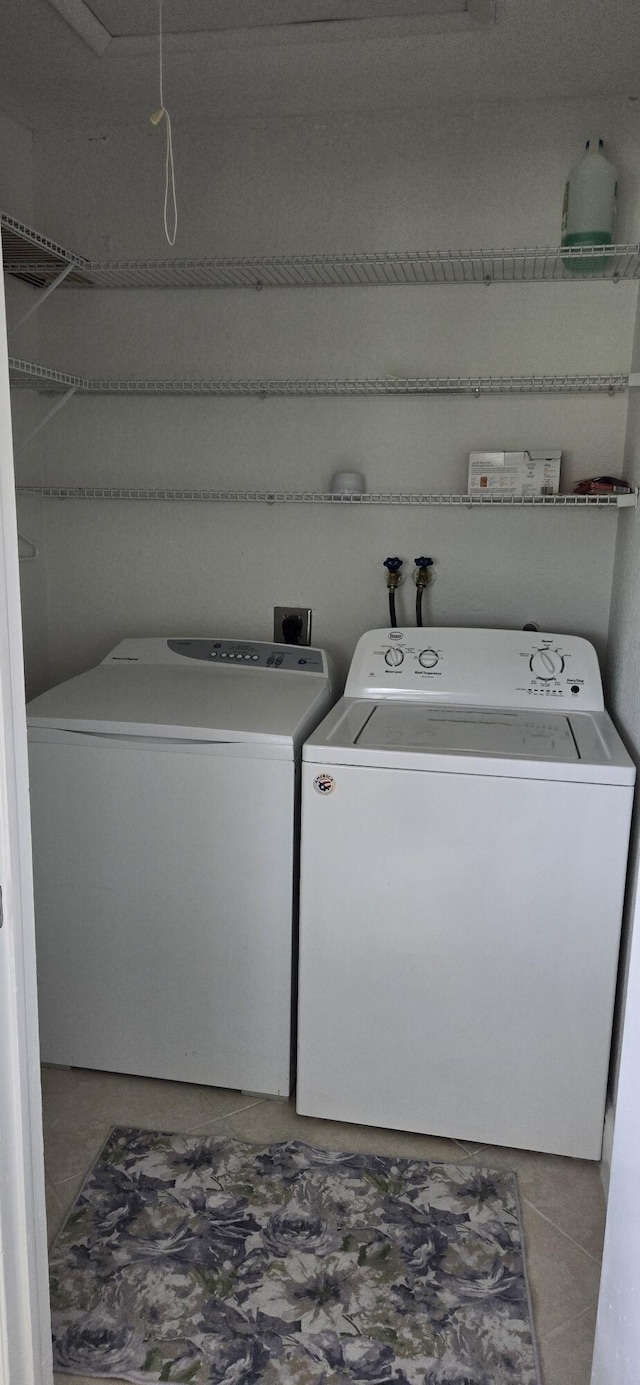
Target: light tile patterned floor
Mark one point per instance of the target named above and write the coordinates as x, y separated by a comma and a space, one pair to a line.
562, 1201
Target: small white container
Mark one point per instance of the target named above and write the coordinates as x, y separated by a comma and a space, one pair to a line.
347, 483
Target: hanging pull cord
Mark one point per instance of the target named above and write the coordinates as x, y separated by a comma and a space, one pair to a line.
169, 170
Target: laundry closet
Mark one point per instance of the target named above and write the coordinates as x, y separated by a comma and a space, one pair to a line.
338, 187
314, 344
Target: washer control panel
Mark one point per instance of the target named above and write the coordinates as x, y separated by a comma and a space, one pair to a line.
494, 668
245, 654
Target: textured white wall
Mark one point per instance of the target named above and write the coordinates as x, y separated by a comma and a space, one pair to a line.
16, 169
396, 181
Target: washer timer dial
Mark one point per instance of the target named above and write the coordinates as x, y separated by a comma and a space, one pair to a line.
546, 663
427, 658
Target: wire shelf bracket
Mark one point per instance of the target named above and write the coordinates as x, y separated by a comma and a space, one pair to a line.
55, 409
51, 288
27, 551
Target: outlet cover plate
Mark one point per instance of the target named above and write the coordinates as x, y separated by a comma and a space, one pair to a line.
301, 613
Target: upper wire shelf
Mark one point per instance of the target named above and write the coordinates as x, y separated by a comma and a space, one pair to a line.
370, 269
275, 497
27, 375
31, 256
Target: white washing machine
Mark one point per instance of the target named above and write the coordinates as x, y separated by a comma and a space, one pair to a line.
465, 826
164, 787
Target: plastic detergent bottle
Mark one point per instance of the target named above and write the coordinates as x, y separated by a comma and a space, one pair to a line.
589, 207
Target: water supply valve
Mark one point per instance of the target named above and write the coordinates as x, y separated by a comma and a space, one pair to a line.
422, 575
394, 574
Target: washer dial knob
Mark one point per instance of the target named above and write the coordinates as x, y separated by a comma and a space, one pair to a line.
427, 658
394, 657
546, 663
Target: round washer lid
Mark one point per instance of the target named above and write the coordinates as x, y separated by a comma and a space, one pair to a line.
523, 735
583, 747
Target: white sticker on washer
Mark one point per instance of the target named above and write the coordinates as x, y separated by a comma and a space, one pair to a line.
324, 783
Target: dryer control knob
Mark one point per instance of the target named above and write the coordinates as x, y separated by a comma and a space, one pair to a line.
546, 663
428, 658
394, 657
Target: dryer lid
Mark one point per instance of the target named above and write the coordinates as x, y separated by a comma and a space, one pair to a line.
147, 688
513, 734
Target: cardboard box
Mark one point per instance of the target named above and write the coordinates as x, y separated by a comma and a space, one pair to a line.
515, 473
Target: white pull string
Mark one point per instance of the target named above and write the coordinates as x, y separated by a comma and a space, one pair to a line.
169, 170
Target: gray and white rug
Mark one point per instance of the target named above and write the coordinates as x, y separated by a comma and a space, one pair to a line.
213, 1262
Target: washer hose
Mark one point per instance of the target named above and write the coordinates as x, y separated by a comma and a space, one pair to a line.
394, 578
422, 577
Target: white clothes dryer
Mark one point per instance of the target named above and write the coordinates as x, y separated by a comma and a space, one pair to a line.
465, 823
164, 787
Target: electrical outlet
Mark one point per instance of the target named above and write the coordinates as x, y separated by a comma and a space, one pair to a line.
292, 624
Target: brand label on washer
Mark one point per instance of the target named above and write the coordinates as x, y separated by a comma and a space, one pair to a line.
324, 783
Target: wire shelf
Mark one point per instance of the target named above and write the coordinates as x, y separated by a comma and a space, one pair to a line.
31, 256
374, 269
283, 497
26, 375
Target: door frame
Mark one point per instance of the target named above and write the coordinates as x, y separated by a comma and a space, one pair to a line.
25, 1323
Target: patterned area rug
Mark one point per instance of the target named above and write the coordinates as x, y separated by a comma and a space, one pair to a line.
214, 1262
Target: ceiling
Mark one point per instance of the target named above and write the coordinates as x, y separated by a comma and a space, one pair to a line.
258, 58
123, 18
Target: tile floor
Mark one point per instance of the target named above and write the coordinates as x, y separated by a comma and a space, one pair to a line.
562, 1200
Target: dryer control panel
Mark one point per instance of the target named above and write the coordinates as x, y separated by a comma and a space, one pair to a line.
487, 668
233, 654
